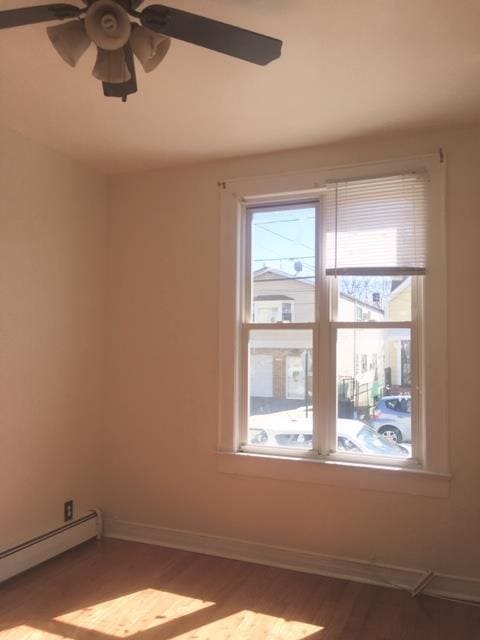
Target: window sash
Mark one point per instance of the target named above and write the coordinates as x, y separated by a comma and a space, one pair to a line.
324, 330
247, 266
415, 390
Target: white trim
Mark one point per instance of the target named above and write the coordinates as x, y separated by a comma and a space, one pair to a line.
305, 466
278, 326
373, 324
314, 180
417, 364
52, 546
433, 444
296, 559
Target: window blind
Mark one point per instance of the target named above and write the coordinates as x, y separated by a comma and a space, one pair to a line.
377, 226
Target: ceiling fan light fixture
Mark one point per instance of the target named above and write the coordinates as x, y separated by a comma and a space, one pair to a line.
111, 67
70, 40
149, 47
108, 24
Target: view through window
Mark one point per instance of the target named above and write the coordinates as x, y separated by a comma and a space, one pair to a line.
374, 310
282, 281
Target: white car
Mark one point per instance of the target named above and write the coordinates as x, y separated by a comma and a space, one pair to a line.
353, 436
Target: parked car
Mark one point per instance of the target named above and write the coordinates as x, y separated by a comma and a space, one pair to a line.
392, 418
353, 436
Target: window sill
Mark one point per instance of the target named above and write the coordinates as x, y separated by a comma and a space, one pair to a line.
335, 473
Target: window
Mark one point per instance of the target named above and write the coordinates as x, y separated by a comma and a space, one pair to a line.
269, 309
336, 313
287, 312
358, 220
364, 362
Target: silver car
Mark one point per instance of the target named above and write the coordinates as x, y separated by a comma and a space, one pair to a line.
392, 418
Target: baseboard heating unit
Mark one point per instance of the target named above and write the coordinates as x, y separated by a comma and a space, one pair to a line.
47, 545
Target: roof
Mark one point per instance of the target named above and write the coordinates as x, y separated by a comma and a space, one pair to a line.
362, 302
283, 275
274, 296
401, 286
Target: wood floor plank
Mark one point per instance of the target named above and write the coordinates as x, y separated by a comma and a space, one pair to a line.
113, 589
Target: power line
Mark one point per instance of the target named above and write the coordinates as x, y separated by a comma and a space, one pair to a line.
261, 246
275, 233
281, 258
309, 266
287, 220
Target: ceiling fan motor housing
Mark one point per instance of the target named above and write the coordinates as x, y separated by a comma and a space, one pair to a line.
108, 24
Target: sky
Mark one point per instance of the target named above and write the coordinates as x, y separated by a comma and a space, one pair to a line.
282, 238
285, 237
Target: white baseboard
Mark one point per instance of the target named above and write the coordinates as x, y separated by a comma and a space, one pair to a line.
286, 558
46, 546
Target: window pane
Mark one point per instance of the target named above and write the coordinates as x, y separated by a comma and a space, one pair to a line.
280, 388
283, 265
377, 223
374, 391
374, 299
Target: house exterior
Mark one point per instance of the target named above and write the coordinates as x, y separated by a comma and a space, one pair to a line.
279, 296
281, 360
398, 307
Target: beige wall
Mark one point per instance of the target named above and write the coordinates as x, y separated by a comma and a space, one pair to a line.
162, 375
153, 460
52, 296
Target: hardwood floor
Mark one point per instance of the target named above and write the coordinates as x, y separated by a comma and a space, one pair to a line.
112, 589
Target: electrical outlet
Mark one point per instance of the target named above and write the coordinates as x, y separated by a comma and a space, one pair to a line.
68, 510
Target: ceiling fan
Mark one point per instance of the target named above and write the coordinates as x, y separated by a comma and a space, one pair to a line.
107, 24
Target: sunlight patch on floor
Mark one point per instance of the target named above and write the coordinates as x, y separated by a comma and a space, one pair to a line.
118, 617
246, 625
26, 632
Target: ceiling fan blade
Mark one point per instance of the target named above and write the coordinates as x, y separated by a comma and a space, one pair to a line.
211, 34
123, 89
42, 13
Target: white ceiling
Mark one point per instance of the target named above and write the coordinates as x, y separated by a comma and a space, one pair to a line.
349, 68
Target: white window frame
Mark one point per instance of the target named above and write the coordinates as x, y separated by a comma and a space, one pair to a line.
430, 430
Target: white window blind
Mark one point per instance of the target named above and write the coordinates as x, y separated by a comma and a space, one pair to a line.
377, 226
